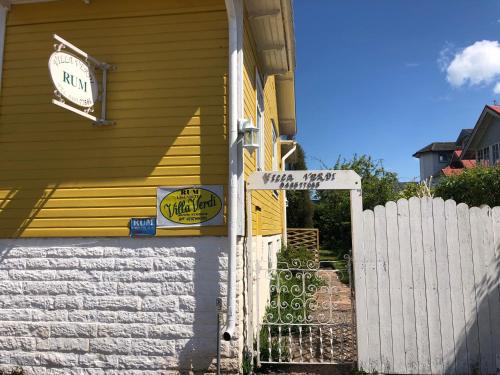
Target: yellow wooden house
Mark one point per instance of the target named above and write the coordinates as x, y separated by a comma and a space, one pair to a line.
185, 74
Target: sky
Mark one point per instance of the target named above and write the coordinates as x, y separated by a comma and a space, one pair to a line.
387, 77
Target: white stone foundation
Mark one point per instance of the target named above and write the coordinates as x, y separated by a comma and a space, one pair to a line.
113, 305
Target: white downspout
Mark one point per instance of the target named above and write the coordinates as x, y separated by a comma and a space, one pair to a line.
232, 213
285, 225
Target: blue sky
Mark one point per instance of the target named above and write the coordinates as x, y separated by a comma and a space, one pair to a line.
374, 77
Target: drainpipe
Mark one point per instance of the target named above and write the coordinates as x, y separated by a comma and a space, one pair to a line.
232, 217
283, 159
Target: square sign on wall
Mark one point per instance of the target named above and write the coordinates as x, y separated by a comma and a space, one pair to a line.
192, 206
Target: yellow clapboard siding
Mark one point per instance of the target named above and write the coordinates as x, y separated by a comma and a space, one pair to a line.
136, 39
102, 142
99, 24
11, 135
193, 58
127, 104
62, 115
122, 28
58, 192
47, 164
77, 182
109, 232
106, 52
155, 153
61, 176
75, 10
113, 172
80, 202
206, 82
268, 221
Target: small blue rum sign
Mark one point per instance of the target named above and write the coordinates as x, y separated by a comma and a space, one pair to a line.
142, 227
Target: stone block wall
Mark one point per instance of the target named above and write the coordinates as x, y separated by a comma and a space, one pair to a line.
113, 306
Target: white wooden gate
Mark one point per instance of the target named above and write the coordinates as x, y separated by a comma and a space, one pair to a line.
427, 288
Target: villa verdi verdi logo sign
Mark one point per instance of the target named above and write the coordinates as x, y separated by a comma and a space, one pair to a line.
73, 79
190, 206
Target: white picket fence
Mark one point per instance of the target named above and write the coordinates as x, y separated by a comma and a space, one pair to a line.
428, 290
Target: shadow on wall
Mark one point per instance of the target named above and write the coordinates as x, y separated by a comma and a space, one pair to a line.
198, 354
479, 346
170, 127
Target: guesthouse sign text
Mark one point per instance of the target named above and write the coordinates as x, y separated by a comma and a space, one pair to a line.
190, 206
73, 79
304, 180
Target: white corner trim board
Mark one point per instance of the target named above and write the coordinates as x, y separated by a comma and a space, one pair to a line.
3, 24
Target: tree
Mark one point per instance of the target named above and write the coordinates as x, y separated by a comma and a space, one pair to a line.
332, 212
474, 186
299, 212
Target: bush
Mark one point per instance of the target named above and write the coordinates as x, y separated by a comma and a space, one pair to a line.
475, 186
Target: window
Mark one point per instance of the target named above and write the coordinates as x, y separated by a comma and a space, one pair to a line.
496, 153
444, 158
486, 155
479, 155
275, 148
260, 122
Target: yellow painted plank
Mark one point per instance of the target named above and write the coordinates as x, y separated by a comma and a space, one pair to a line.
160, 20
62, 115
30, 192
155, 153
104, 9
148, 104
203, 162
211, 83
72, 182
108, 232
192, 57
26, 203
116, 132
60, 174
40, 52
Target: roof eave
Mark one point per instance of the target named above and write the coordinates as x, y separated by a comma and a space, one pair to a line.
273, 30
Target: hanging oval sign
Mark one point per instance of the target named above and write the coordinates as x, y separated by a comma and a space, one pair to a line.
190, 206
73, 79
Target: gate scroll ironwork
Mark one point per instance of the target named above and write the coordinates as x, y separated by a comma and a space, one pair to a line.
309, 314
303, 319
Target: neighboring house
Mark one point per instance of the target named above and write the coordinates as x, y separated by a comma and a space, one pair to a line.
484, 142
443, 158
433, 158
78, 294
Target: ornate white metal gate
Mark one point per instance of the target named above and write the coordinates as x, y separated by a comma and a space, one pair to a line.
309, 314
294, 309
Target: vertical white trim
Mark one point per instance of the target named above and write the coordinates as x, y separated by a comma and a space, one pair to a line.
3, 26
260, 114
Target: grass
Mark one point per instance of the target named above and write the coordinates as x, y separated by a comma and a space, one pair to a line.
327, 255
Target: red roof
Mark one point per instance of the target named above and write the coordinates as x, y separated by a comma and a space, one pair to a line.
466, 164
495, 108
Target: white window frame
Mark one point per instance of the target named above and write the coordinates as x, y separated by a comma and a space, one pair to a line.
495, 153
260, 123
275, 147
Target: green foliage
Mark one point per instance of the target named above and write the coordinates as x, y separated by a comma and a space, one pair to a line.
287, 304
300, 209
416, 189
475, 186
332, 212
